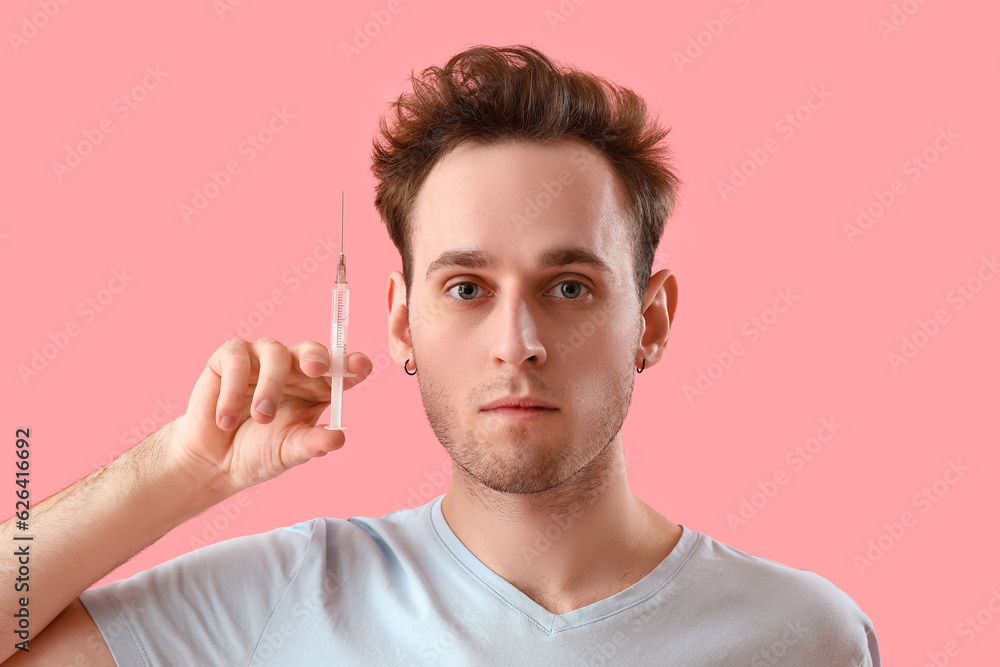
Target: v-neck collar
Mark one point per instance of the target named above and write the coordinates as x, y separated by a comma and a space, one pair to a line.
552, 623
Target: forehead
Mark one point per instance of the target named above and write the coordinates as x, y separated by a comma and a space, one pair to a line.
520, 201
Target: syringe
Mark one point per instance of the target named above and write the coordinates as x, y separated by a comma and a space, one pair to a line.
338, 336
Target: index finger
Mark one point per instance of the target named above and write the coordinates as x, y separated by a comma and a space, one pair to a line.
312, 359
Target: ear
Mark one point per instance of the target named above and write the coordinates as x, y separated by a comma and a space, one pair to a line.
400, 345
657, 315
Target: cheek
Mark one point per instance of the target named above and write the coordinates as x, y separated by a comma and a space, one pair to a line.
452, 350
605, 338
422, 321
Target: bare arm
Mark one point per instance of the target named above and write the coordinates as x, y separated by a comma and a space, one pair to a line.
90, 528
223, 444
72, 638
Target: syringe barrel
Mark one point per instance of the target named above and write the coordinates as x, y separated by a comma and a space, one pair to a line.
338, 330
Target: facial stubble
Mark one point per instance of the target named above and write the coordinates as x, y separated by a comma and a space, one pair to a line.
509, 457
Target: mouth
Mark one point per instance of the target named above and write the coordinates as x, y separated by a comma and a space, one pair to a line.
520, 413
524, 403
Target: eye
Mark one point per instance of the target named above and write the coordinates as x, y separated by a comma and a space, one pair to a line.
467, 291
577, 286
467, 287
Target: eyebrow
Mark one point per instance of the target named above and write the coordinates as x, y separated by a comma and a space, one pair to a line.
481, 259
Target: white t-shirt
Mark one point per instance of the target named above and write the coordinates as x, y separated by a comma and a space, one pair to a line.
403, 590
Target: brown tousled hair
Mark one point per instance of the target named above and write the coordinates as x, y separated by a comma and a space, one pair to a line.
491, 95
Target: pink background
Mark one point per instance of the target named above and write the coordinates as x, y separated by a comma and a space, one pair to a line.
63, 237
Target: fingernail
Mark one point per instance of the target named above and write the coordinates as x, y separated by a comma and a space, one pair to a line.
266, 407
227, 422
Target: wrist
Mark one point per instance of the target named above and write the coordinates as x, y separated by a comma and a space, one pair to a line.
156, 474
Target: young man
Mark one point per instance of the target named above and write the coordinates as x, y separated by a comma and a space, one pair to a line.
527, 202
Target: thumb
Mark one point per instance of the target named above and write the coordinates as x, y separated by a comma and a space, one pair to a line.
309, 442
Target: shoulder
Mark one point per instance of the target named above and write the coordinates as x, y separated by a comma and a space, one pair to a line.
794, 606
284, 550
741, 571
222, 597
359, 541
274, 557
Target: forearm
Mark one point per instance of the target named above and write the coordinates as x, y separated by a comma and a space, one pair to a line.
85, 531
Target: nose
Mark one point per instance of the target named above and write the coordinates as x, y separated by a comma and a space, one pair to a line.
516, 340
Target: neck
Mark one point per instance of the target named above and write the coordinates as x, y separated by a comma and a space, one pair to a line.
569, 546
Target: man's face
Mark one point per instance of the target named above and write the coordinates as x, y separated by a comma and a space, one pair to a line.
525, 319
